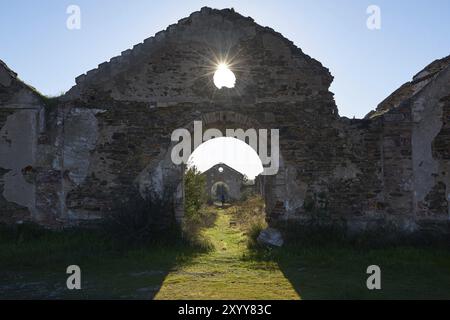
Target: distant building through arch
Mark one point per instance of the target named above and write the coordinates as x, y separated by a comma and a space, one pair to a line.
227, 182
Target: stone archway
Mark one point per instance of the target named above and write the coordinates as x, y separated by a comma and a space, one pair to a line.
282, 197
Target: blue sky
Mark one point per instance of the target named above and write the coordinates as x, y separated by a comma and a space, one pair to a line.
367, 65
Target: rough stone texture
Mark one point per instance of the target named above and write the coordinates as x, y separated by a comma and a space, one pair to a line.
411, 88
230, 178
65, 162
415, 137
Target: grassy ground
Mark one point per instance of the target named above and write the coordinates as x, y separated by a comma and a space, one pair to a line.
33, 266
224, 272
332, 272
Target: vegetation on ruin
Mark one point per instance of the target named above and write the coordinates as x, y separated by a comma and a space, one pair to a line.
311, 265
137, 221
195, 197
224, 272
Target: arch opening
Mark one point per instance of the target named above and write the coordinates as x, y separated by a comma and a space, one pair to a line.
220, 192
229, 151
270, 188
229, 168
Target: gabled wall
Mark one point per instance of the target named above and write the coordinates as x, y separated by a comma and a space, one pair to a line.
68, 162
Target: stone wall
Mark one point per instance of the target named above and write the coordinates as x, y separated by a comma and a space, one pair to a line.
21, 121
68, 161
413, 122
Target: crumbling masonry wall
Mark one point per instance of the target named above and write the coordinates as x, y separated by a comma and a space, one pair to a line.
67, 161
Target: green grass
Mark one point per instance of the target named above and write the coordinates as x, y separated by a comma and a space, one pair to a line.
230, 266
339, 272
224, 273
33, 264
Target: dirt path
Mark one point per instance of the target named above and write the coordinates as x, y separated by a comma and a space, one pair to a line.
224, 273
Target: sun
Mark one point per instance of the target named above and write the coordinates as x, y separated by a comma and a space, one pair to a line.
224, 77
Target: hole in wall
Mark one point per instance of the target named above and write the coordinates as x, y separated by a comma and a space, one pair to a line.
224, 77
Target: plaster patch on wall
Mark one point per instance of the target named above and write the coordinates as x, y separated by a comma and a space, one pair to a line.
427, 117
18, 140
160, 173
19, 191
288, 191
80, 138
17, 151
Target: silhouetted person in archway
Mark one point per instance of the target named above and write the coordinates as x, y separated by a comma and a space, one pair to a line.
222, 197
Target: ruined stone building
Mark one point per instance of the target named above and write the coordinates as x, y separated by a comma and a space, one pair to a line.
223, 180
63, 161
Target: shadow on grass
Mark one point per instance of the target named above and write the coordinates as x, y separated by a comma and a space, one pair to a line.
33, 264
329, 265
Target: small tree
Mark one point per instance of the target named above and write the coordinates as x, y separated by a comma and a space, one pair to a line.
195, 195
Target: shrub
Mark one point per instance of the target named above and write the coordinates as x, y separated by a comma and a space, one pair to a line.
196, 214
251, 217
139, 221
195, 194
247, 192
253, 233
